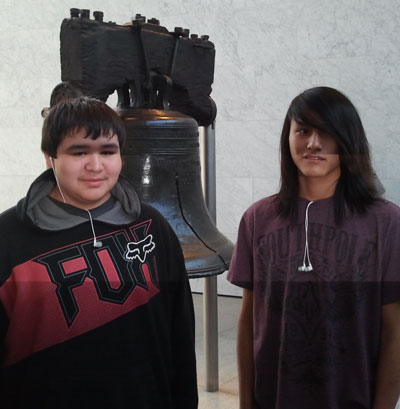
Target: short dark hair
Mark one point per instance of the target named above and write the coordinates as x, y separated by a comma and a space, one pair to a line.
71, 115
330, 111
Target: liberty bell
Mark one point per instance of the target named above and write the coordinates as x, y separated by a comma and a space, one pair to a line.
163, 80
162, 160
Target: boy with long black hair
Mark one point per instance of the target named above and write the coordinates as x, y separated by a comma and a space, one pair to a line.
319, 264
95, 305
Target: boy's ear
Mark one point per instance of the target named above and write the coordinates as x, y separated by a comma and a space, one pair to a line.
48, 161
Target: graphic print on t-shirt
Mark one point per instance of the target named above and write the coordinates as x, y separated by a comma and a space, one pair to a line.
313, 309
74, 289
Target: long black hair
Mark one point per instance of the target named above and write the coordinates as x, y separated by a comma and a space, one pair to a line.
328, 110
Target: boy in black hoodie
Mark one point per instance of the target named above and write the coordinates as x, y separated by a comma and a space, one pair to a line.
95, 304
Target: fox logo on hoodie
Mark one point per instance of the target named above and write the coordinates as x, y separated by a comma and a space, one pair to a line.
140, 249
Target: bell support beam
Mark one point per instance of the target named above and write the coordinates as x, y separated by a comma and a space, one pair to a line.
210, 296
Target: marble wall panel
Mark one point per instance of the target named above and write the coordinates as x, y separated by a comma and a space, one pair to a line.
392, 187
13, 189
267, 51
391, 181
264, 187
233, 197
246, 149
20, 152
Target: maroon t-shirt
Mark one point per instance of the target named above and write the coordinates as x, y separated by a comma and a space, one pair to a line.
317, 333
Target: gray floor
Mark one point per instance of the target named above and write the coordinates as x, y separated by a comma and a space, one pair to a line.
227, 395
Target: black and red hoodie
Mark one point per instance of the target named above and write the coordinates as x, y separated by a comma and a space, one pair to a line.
86, 327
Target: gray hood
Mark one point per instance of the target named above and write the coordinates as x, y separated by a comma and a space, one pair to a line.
48, 214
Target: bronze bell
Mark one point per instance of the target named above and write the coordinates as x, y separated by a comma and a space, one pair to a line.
162, 160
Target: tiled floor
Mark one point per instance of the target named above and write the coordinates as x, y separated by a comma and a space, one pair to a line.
227, 395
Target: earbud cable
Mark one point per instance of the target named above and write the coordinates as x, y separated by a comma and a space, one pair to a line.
95, 242
308, 266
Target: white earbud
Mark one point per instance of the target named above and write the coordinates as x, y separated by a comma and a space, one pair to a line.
305, 268
97, 243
